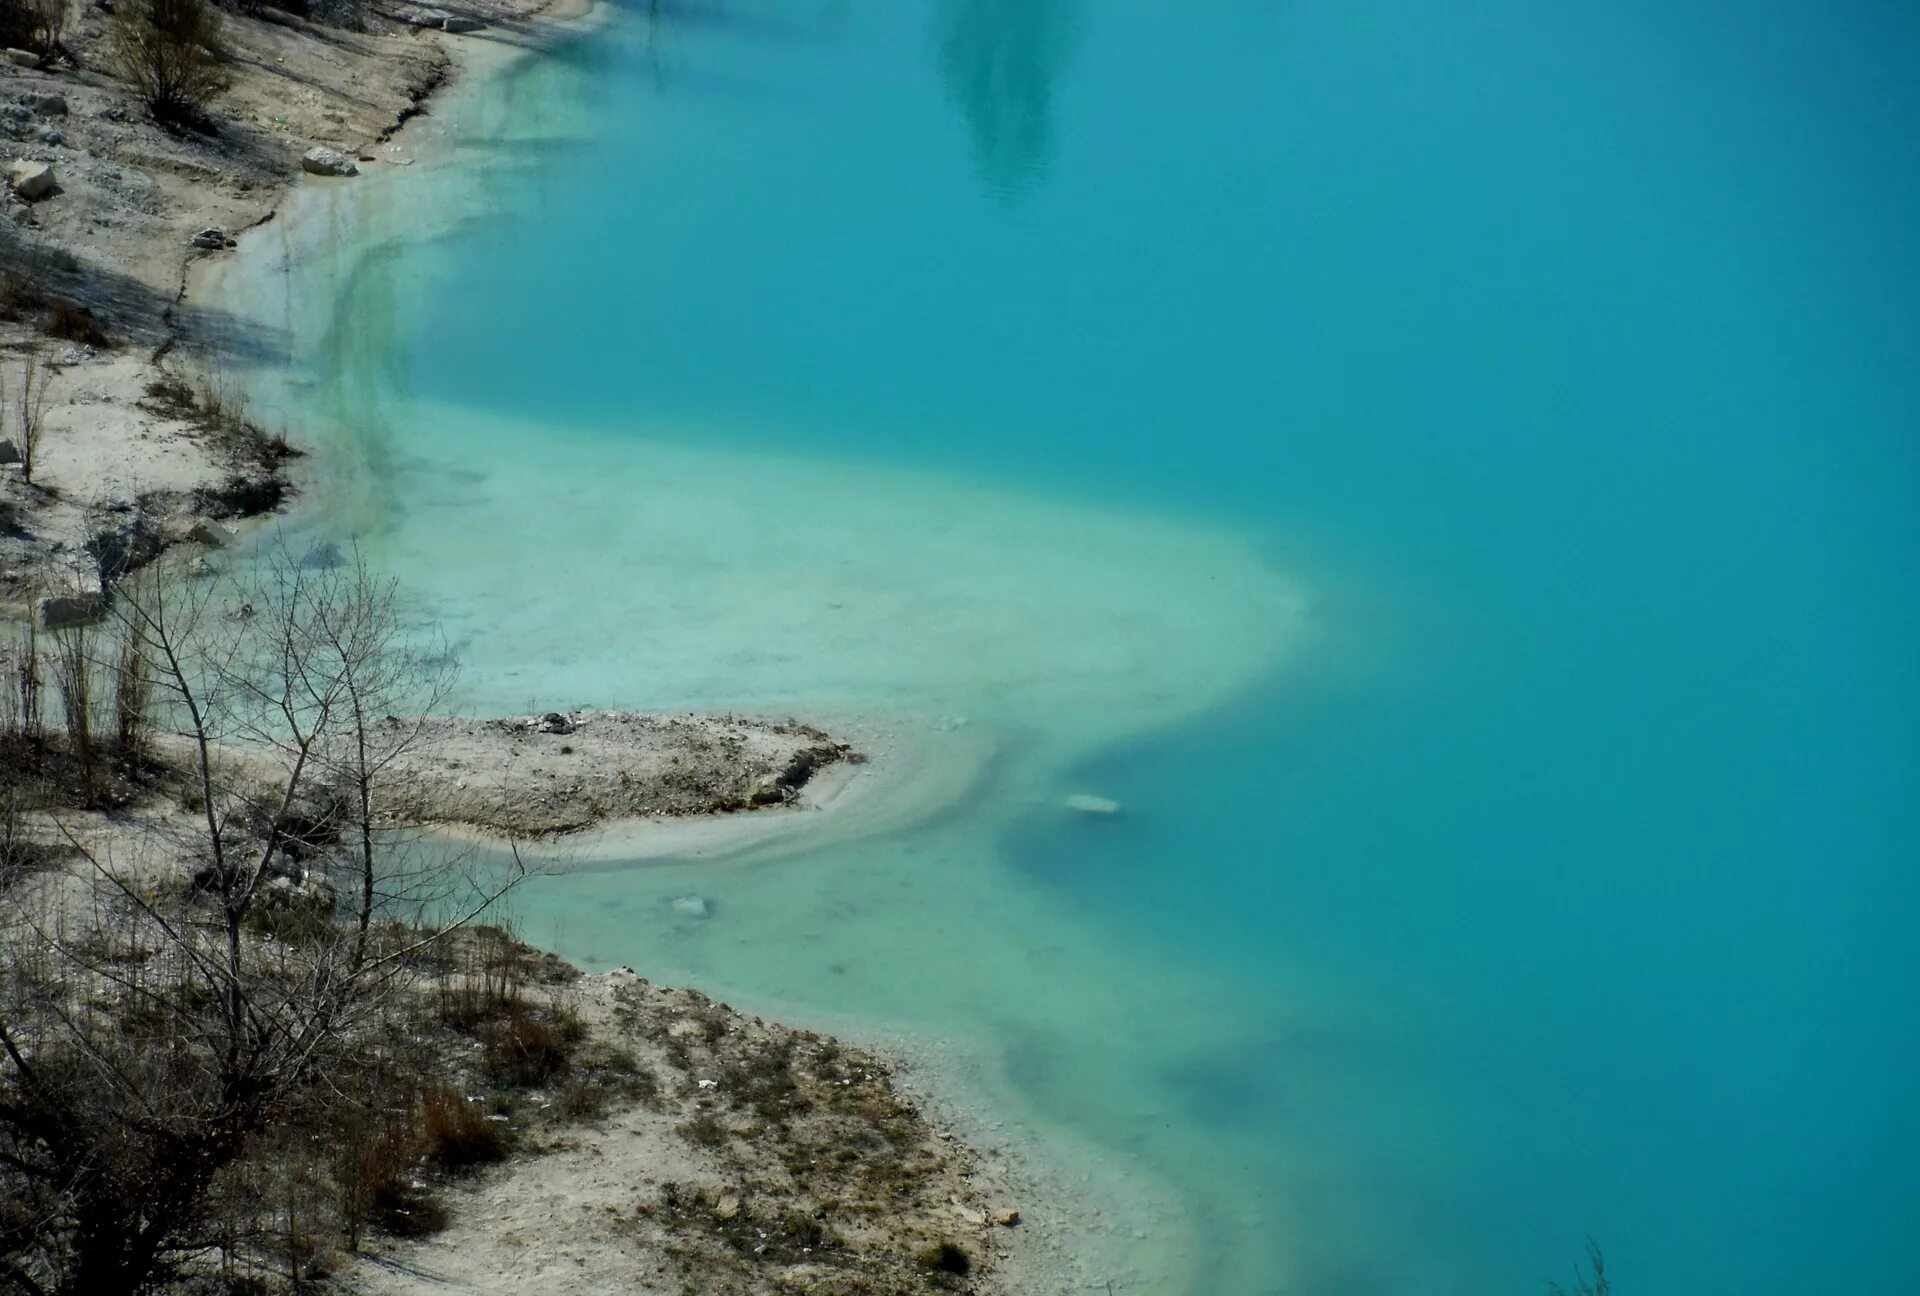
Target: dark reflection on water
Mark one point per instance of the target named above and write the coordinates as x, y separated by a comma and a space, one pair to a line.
999, 59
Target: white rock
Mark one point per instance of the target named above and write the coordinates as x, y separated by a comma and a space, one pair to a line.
30, 180
328, 162
692, 906
1085, 804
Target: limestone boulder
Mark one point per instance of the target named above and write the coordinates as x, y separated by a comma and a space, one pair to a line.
328, 162
31, 180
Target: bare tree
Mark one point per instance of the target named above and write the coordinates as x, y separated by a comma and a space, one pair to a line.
187, 994
172, 51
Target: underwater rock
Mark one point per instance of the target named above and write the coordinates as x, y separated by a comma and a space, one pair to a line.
1084, 804
61, 612
215, 535
692, 906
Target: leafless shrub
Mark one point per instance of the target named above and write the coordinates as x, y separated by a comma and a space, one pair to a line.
30, 408
456, 1134
132, 695
20, 692
172, 51
73, 671
76, 323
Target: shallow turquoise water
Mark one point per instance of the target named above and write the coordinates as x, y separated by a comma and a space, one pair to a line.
1449, 471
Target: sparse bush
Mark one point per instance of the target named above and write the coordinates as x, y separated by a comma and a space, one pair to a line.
521, 1049
75, 323
30, 410
581, 1100
73, 671
132, 693
945, 1257
705, 1131
172, 51
458, 1135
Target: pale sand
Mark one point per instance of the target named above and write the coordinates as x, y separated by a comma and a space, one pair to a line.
545, 775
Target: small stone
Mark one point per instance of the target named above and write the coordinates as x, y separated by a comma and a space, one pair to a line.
692, 906
328, 162
22, 58
1093, 805
459, 25
214, 240
1006, 1218
554, 723
727, 1207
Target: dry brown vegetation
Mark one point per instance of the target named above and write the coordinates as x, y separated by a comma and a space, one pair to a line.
172, 53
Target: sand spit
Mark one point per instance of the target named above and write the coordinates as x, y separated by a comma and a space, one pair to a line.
563, 772
142, 437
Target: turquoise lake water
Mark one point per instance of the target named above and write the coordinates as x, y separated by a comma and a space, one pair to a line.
1449, 471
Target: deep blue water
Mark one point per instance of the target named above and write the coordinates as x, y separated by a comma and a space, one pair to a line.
1570, 352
